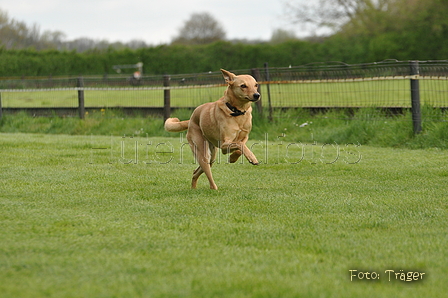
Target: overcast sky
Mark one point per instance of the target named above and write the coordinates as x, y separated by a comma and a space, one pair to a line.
154, 21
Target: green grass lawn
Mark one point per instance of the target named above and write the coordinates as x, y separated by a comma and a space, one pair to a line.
386, 93
113, 216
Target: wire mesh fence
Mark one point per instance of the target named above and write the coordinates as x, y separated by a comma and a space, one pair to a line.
318, 85
385, 84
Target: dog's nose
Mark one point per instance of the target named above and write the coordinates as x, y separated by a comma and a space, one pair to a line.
256, 95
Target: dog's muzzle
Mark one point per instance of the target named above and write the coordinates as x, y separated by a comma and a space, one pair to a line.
256, 96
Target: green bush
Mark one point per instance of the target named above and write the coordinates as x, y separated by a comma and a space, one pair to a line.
180, 59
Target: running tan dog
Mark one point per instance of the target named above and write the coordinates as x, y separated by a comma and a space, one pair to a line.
223, 124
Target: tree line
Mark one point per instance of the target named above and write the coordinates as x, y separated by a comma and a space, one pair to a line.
363, 31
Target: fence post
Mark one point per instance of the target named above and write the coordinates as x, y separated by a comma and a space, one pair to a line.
256, 74
81, 108
415, 98
1, 108
266, 70
166, 98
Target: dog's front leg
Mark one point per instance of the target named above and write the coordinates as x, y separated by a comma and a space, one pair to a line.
249, 155
238, 149
234, 156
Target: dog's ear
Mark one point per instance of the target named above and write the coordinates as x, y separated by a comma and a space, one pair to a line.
228, 76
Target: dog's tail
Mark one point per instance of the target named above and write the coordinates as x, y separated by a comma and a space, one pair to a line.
175, 125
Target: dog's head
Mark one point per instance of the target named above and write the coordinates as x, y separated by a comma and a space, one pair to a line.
243, 87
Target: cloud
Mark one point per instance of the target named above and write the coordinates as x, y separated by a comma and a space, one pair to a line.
155, 22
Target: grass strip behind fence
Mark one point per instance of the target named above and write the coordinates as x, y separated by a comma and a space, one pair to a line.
366, 126
382, 93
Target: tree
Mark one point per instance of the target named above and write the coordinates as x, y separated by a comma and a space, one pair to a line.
201, 28
370, 17
18, 35
281, 35
381, 29
335, 14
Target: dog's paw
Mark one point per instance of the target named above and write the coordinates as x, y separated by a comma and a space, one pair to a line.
234, 156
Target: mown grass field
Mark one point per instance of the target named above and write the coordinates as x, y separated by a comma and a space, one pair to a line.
113, 216
387, 93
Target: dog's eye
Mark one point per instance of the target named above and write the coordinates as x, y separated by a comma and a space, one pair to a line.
256, 85
243, 86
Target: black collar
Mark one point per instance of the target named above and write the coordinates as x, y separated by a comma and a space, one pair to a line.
235, 111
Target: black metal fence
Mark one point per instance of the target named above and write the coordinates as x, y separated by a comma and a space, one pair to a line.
389, 84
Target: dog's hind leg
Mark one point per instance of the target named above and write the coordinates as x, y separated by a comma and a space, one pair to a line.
205, 154
196, 173
207, 161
